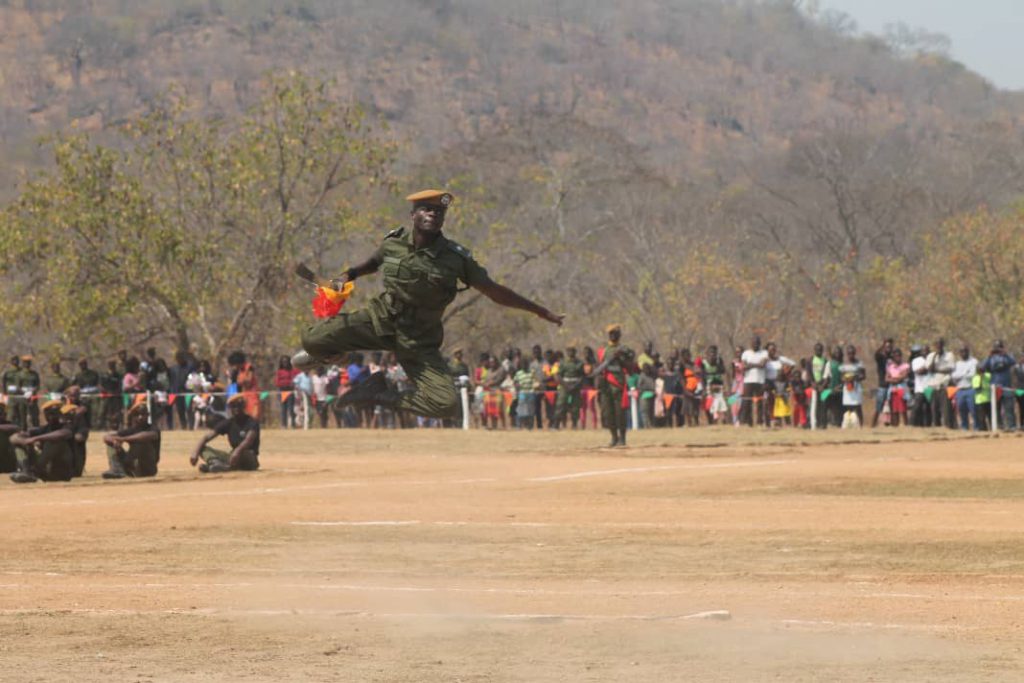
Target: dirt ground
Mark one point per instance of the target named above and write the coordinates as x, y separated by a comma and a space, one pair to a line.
709, 554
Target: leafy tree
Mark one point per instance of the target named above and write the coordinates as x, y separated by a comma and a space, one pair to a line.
190, 233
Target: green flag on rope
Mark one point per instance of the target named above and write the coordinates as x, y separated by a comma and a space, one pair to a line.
188, 400
732, 400
825, 394
263, 395
126, 399
928, 391
1019, 392
329, 399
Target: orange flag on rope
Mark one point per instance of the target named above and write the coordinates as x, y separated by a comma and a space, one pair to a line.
668, 398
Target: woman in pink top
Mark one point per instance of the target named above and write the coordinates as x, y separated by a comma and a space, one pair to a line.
896, 373
131, 383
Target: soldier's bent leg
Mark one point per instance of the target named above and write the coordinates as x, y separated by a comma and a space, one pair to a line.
115, 464
26, 466
327, 340
435, 394
214, 460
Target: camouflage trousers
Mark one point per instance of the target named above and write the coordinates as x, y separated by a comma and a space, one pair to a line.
434, 395
248, 460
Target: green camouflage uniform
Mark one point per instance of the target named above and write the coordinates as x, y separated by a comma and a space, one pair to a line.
27, 408
613, 413
88, 381
406, 318
570, 383
54, 385
11, 380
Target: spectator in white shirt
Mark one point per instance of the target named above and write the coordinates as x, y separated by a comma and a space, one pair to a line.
941, 363
754, 361
963, 378
776, 372
920, 411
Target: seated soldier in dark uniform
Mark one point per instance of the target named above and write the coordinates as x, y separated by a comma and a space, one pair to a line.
46, 452
135, 450
81, 425
243, 434
8, 463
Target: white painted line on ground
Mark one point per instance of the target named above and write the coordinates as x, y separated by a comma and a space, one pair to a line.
708, 615
657, 468
871, 625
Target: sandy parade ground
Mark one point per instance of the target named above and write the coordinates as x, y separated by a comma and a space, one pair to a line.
709, 554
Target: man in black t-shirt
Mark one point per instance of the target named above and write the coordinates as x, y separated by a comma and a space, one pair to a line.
46, 452
243, 434
135, 450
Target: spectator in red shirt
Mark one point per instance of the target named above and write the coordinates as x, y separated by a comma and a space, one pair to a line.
284, 380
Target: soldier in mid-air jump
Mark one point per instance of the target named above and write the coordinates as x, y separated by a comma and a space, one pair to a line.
422, 270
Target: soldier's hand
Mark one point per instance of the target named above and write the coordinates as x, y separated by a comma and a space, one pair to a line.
339, 282
555, 318
194, 459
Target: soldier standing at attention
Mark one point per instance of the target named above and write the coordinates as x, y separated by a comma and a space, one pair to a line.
616, 362
570, 385
135, 450
55, 382
243, 434
88, 381
111, 386
30, 385
422, 270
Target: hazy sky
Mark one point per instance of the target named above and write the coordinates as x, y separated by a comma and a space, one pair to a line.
987, 35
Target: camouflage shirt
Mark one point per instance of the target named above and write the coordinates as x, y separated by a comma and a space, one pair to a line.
418, 285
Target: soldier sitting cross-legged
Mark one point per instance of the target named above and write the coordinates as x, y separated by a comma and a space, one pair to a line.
135, 450
46, 452
243, 434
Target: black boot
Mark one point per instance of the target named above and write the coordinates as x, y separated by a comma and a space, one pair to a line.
622, 438
116, 470
24, 473
615, 438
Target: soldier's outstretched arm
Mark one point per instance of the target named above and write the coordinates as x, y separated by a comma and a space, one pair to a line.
367, 267
500, 294
207, 438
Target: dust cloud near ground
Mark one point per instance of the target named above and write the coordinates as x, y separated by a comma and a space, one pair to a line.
428, 555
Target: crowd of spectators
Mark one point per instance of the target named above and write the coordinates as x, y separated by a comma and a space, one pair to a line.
926, 386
